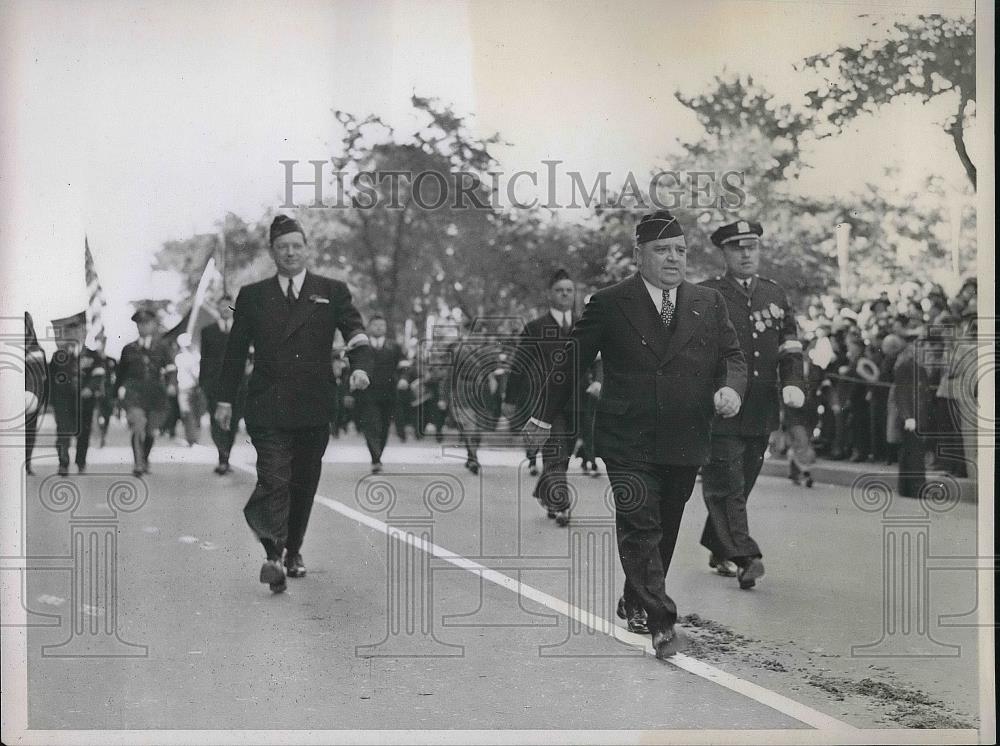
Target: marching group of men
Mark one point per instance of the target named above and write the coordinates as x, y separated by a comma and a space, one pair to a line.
678, 377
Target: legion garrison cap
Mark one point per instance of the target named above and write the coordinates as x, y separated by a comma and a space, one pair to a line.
68, 322
656, 225
283, 224
736, 231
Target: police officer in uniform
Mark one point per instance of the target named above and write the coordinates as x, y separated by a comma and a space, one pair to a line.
35, 388
77, 380
767, 334
143, 372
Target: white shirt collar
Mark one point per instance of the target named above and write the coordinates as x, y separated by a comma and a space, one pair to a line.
656, 294
297, 281
562, 317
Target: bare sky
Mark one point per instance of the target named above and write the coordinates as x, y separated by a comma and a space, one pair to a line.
138, 122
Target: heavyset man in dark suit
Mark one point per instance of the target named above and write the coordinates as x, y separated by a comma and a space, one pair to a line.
379, 400
671, 360
765, 327
290, 319
539, 345
213, 350
143, 370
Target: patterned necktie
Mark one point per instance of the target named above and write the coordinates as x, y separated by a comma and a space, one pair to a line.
666, 309
290, 295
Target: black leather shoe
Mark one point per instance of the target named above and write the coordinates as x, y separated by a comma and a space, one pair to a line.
376, 467
622, 610
472, 465
272, 574
637, 621
562, 517
533, 470
63, 470
137, 472
809, 479
750, 573
723, 567
665, 643
293, 565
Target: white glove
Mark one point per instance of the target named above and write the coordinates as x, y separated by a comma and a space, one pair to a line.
403, 384
594, 389
793, 397
910, 425
30, 403
727, 402
359, 380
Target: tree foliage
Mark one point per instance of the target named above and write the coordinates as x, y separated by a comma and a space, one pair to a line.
927, 58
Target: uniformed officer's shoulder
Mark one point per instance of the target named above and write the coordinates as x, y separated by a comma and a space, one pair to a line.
769, 282
713, 282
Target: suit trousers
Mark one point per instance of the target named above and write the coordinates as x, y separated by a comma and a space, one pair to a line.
551, 489
289, 462
376, 414
649, 505
727, 480
68, 424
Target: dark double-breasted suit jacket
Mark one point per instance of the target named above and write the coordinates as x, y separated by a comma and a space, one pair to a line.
538, 348
656, 402
291, 385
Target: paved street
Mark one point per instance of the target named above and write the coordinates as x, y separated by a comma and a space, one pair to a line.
447, 649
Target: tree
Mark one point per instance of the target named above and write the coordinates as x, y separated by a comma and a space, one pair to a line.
933, 56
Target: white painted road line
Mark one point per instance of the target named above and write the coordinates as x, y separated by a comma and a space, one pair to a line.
786, 706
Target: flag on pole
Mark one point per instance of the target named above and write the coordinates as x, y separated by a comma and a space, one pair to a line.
96, 336
203, 311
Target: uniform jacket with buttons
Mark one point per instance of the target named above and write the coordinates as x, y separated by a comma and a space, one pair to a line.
656, 403
144, 373
765, 326
291, 385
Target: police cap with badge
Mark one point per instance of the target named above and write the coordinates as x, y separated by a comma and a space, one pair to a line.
736, 233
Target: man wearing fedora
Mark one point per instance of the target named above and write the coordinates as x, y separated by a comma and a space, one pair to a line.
767, 333
671, 361
290, 319
142, 378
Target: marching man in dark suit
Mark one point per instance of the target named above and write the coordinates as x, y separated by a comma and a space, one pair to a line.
671, 361
765, 326
142, 379
213, 350
378, 402
77, 376
290, 319
539, 343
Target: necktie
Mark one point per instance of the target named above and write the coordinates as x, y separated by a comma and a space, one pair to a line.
746, 284
567, 326
666, 309
290, 295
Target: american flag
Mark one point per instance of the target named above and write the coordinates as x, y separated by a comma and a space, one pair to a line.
96, 336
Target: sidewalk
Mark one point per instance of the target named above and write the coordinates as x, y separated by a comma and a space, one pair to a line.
846, 473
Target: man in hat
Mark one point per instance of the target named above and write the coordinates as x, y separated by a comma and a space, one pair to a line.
766, 329
142, 378
379, 400
539, 346
76, 377
670, 360
213, 349
290, 319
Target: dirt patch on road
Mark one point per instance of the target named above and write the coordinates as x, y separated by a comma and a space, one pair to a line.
877, 692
